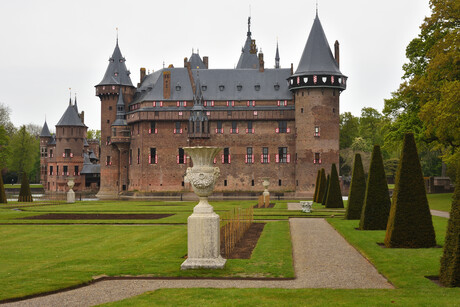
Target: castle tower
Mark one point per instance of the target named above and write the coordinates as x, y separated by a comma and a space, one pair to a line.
316, 86
116, 83
248, 57
45, 138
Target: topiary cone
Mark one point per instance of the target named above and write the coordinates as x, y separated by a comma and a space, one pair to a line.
323, 202
357, 190
409, 224
376, 208
449, 275
2, 191
322, 186
334, 196
24, 194
315, 195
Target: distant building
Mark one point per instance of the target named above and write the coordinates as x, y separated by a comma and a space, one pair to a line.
270, 122
69, 154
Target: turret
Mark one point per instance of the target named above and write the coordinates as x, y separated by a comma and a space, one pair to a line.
277, 57
198, 121
316, 86
45, 140
248, 58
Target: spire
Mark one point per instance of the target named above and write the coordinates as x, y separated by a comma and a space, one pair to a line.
70, 117
121, 114
75, 103
277, 56
116, 73
45, 131
248, 57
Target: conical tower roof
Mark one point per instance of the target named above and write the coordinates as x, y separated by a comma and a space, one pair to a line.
116, 73
45, 131
317, 57
70, 118
196, 62
248, 57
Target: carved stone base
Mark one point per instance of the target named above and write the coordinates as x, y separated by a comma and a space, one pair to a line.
71, 196
203, 242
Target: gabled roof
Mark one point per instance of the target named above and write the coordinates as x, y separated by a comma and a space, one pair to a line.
317, 57
196, 62
116, 73
248, 57
70, 118
45, 131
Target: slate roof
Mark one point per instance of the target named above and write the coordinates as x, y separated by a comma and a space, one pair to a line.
196, 62
317, 57
218, 84
248, 59
88, 167
121, 115
45, 131
116, 73
70, 118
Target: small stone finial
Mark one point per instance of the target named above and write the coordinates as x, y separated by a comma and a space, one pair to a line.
70, 96
316, 8
117, 34
249, 26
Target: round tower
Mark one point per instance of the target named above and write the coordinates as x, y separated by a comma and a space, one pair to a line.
316, 86
45, 139
116, 82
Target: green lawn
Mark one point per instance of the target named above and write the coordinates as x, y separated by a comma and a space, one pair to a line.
17, 186
442, 202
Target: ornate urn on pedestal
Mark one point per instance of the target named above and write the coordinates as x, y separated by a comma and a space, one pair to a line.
71, 193
203, 225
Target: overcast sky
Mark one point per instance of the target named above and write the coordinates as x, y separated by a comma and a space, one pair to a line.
50, 46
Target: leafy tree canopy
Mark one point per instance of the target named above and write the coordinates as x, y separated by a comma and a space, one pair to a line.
23, 151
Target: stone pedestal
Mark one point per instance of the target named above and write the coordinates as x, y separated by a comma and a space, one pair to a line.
266, 194
203, 225
70, 193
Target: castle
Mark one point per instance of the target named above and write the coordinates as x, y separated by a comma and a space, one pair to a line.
270, 122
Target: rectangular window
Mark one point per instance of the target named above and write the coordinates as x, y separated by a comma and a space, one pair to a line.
65, 171
249, 155
177, 129
226, 156
282, 156
234, 129
51, 153
57, 170
219, 127
282, 127
316, 131
67, 153
317, 158
153, 158
51, 170
265, 157
250, 129
76, 172
153, 127
108, 161
282, 103
138, 155
108, 142
181, 156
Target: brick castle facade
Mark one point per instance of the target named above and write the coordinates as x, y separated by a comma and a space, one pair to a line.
270, 122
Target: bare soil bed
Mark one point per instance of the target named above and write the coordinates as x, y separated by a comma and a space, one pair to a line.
95, 216
243, 249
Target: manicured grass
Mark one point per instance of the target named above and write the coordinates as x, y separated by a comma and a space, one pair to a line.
442, 202
18, 186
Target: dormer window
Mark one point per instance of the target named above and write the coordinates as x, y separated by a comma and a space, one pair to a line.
221, 87
277, 87
257, 87
239, 87
178, 87
204, 88
116, 74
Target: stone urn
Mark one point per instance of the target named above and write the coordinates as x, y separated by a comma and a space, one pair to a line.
70, 193
203, 233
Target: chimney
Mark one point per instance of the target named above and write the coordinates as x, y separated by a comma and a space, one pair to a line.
292, 69
261, 62
142, 73
206, 61
82, 117
166, 84
337, 53
185, 62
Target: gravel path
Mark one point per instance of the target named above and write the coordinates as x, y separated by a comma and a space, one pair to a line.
322, 259
440, 213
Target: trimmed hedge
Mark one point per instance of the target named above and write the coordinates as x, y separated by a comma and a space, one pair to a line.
376, 208
322, 186
24, 194
449, 274
334, 196
409, 224
323, 202
2, 191
357, 190
315, 195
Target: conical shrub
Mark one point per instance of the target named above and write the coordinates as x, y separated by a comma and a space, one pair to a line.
2, 191
315, 195
357, 190
409, 224
449, 275
322, 186
376, 208
334, 196
323, 202
24, 194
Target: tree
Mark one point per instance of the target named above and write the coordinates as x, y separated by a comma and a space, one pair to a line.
349, 129
357, 191
449, 274
2, 191
334, 196
5, 119
93, 135
374, 215
23, 151
24, 194
315, 195
370, 126
409, 224
4, 140
322, 186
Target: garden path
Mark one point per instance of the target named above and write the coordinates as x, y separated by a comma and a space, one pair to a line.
322, 259
440, 213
